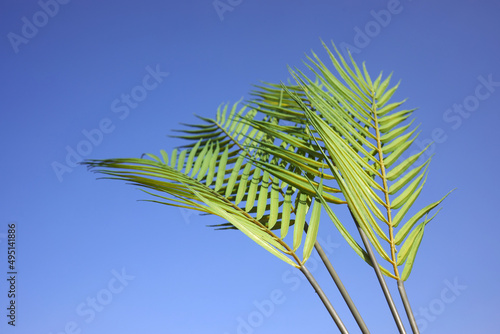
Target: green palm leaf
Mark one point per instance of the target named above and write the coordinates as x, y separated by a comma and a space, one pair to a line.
364, 137
215, 174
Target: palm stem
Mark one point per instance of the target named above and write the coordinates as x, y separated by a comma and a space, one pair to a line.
380, 278
324, 299
340, 285
406, 303
342, 289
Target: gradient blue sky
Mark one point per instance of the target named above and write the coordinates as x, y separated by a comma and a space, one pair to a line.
76, 234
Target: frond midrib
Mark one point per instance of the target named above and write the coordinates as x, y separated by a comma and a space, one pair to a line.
385, 187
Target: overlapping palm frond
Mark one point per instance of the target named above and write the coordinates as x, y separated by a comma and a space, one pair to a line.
300, 156
213, 173
362, 137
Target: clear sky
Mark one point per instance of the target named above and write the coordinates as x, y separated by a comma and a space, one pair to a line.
92, 259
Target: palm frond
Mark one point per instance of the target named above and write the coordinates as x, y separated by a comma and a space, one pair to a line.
364, 136
215, 174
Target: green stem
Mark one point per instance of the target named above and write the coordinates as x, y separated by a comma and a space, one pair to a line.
342, 289
324, 299
381, 279
406, 303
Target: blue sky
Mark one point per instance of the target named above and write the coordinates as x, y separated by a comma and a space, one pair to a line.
92, 259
